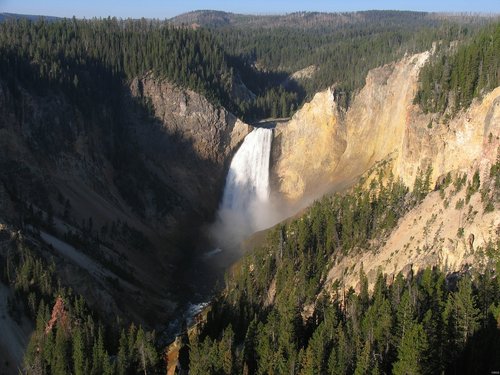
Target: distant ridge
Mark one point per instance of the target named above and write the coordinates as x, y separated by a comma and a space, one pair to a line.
306, 20
31, 17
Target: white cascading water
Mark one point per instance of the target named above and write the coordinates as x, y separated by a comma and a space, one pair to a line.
246, 193
248, 177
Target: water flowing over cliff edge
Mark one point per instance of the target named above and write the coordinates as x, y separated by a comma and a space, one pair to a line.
245, 206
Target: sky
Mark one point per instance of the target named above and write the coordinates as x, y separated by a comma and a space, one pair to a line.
168, 8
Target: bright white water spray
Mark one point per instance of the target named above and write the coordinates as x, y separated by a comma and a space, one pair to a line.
247, 181
244, 205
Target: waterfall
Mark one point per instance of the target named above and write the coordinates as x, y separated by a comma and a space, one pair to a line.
246, 192
247, 181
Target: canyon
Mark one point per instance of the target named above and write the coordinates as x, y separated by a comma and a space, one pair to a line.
324, 149
323, 146
60, 169
59, 166
183, 145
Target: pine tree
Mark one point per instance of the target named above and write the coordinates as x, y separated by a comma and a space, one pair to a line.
198, 359
363, 363
146, 351
249, 354
122, 362
466, 314
226, 350
60, 356
404, 316
315, 355
341, 355
411, 351
364, 298
78, 353
99, 355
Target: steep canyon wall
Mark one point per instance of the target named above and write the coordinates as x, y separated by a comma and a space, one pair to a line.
133, 173
323, 148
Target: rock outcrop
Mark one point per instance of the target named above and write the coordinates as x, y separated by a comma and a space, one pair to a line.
439, 232
307, 149
380, 115
129, 175
190, 144
323, 149
213, 131
59, 316
471, 138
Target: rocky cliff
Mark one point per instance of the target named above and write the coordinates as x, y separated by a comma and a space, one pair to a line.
213, 131
116, 182
307, 149
189, 143
455, 228
322, 148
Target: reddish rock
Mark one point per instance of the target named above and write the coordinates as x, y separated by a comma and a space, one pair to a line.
60, 315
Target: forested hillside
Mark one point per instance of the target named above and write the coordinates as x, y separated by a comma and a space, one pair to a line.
245, 69
343, 46
78, 55
72, 167
276, 315
459, 73
68, 336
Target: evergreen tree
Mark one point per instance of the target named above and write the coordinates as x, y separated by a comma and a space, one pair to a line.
411, 351
249, 353
146, 352
122, 361
60, 355
363, 363
199, 362
226, 350
78, 353
465, 312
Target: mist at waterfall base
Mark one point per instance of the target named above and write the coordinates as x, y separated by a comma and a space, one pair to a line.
246, 205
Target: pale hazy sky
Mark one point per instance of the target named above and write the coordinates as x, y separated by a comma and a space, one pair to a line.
169, 8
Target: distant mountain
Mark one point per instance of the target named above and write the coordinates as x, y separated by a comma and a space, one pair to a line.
307, 20
207, 18
319, 20
32, 17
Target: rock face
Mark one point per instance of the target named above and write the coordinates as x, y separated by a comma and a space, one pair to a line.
307, 149
213, 132
59, 315
322, 148
471, 138
133, 176
191, 143
427, 236
379, 116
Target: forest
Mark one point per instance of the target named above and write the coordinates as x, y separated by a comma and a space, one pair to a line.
459, 73
420, 323
69, 337
426, 322
245, 70
76, 54
342, 46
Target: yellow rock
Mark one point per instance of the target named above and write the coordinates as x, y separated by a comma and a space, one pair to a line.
322, 148
309, 145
